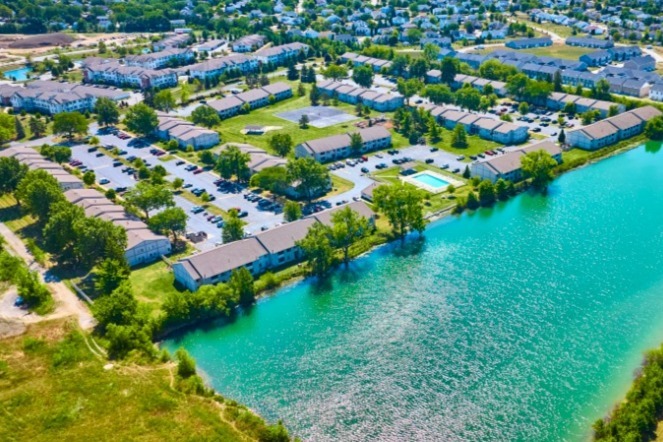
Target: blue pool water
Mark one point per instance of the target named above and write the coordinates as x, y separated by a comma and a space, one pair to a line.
18, 74
431, 180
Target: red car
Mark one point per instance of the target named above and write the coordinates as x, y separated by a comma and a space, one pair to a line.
197, 171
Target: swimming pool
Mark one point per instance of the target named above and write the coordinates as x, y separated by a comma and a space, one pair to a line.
20, 74
430, 180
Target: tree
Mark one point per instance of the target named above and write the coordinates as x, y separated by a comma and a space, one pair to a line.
501, 189
70, 123
466, 173
409, 87
523, 108
439, 93
314, 95
89, 178
613, 110
281, 144
602, 90
347, 228
403, 207
472, 202
335, 72
293, 74
37, 126
486, 193
38, 191
434, 131
119, 307
363, 75
206, 157
20, 131
147, 197
653, 129
469, 98
107, 112
233, 162
11, 174
109, 275
34, 293
539, 167
303, 121
185, 93
169, 221
205, 116
178, 183
356, 143
431, 52
7, 128
449, 69
59, 233
317, 249
292, 211
59, 154
242, 286
308, 176
570, 108
459, 137
186, 366
98, 239
274, 179
164, 100
557, 81
141, 119
562, 137
516, 85
233, 228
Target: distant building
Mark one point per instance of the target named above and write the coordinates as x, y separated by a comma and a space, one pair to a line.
272, 249
507, 166
185, 132
34, 160
248, 43
382, 102
110, 71
526, 43
215, 67
611, 130
254, 98
337, 147
588, 42
165, 58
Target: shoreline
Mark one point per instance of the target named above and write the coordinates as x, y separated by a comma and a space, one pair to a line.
432, 217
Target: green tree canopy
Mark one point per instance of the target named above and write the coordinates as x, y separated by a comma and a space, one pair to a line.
205, 116
233, 228
281, 143
309, 177
107, 112
403, 206
169, 221
233, 162
363, 75
70, 124
141, 119
347, 228
538, 166
317, 249
147, 197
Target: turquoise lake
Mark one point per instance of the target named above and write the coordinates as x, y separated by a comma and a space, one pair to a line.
525, 322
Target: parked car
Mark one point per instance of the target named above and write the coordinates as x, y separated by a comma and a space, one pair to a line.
117, 163
197, 209
120, 189
364, 170
180, 162
104, 181
429, 160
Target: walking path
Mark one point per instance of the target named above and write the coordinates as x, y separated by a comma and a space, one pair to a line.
66, 301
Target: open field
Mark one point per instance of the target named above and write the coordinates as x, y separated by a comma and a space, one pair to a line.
556, 50
231, 128
52, 387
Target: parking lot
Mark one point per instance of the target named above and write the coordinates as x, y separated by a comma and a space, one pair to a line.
537, 120
102, 165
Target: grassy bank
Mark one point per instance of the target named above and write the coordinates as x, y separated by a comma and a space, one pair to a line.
54, 387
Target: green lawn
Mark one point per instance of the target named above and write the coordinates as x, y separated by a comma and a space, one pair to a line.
52, 387
476, 144
562, 31
231, 128
339, 185
556, 50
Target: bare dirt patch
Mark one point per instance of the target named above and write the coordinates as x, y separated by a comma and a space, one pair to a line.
11, 327
39, 41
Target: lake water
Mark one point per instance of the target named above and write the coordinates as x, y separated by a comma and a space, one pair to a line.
521, 323
20, 74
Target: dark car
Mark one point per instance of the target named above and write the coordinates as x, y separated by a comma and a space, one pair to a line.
180, 162
243, 214
131, 158
429, 160
92, 149
364, 170
120, 189
117, 163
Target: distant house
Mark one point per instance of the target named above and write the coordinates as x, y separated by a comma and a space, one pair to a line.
109, 71
597, 58
383, 102
507, 166
337, 147
280, 55
185, 132
254, 98
612, 130
526, 43
641, 63
157, 60
35, 161
558, 100
588, 42
656, 92
248, 43
215, 67
623, 53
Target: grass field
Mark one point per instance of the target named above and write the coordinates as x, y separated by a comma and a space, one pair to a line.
556, 50
475, 143
562, 31
52, 387
231, 128
153, 283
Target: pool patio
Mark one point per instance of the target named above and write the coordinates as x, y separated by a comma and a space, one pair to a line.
432, 182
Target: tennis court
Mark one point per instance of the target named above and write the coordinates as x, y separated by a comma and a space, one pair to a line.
318, 116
